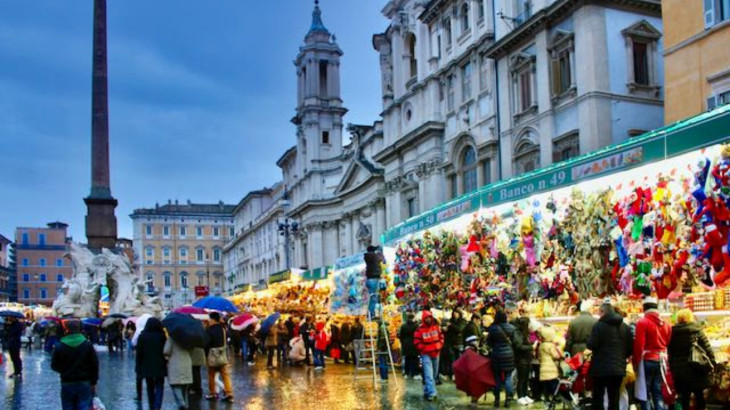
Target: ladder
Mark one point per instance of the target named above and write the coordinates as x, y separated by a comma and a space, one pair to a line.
366, 347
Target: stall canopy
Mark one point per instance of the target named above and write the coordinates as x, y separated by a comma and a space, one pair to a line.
280, 276
316, 274
681, 137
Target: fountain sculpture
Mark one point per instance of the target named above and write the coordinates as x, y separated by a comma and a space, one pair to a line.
80, 293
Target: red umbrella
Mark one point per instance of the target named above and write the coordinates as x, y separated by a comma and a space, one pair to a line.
473, 373
190, 310
243, 321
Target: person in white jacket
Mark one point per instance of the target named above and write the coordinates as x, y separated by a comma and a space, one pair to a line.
298, 352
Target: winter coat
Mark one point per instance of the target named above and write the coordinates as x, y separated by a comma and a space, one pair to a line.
179, 364
197, 357
683, 335
472, 329
579, 331
282, 333
652, 338
298, 350
74, 358
320, 340
150, 358
357, 330
289, 329
216, 336
304, 329
611, 343
372, 265
335, 335
522, 348
272, 338
406, 334
428, 339
549, 354
454, 334
499, 340
345, 334
14, 332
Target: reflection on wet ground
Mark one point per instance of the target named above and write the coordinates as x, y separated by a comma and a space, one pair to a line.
255, 388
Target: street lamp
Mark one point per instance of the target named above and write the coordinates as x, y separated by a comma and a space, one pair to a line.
287, 228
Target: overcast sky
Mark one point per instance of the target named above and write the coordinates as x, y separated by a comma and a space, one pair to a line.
201, 94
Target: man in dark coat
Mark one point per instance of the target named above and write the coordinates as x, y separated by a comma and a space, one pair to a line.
305, 328
74, 358
580, 329
335, 340
346, 340
150, 361
357, 334
373, 271
474, 328
453, 343
499, 340
523, 357
611, 343
408, 347
14, 331
688, 378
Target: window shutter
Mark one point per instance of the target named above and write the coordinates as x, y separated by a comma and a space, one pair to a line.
709, 13
555, 76
711, 103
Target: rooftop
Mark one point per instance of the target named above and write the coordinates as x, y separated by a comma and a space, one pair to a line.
188, 208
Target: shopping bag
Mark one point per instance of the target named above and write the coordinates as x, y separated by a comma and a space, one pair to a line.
335, 353
96, 404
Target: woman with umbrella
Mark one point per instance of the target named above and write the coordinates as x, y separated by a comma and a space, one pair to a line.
150, 361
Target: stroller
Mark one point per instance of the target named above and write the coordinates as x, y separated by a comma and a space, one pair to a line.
572, 384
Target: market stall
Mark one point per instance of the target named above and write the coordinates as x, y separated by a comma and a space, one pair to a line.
647, 217
288, 292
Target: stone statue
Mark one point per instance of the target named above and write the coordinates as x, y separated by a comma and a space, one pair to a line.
80, 293
80, 297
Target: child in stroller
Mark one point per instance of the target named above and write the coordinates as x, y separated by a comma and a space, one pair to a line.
572, 384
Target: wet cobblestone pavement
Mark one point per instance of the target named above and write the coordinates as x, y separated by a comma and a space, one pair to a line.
255, 387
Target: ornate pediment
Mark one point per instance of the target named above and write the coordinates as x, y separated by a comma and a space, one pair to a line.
642, 29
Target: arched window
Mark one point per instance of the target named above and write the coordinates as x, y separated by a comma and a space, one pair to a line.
526, 157
464, 17
411, 47
469, 169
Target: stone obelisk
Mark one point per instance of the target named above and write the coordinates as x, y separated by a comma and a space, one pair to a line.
101, 224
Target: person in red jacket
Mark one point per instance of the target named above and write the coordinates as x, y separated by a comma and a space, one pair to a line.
650, 346
320, 345
429, 340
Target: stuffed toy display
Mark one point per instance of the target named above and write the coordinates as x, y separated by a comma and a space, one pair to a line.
649, 236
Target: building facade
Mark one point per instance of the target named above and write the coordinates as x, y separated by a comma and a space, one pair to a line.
697, 34
41, 263
5, 269
180, 246
257, 249
473, 91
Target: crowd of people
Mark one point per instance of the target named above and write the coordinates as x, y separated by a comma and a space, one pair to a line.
619, 358
525, 355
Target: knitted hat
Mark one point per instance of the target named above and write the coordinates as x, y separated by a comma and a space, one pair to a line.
650, 303
471, 340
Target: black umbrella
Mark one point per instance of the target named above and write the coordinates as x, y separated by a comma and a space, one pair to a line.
11, 313
118, 316
184, 329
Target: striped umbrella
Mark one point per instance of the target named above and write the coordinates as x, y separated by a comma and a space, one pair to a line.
243, 321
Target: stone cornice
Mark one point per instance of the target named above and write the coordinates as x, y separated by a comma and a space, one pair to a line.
409, 139
557, 11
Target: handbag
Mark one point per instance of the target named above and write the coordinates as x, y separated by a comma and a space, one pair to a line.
335, 353
217, 357
698, 357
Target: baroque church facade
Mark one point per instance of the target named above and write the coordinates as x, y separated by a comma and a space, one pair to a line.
473, 92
